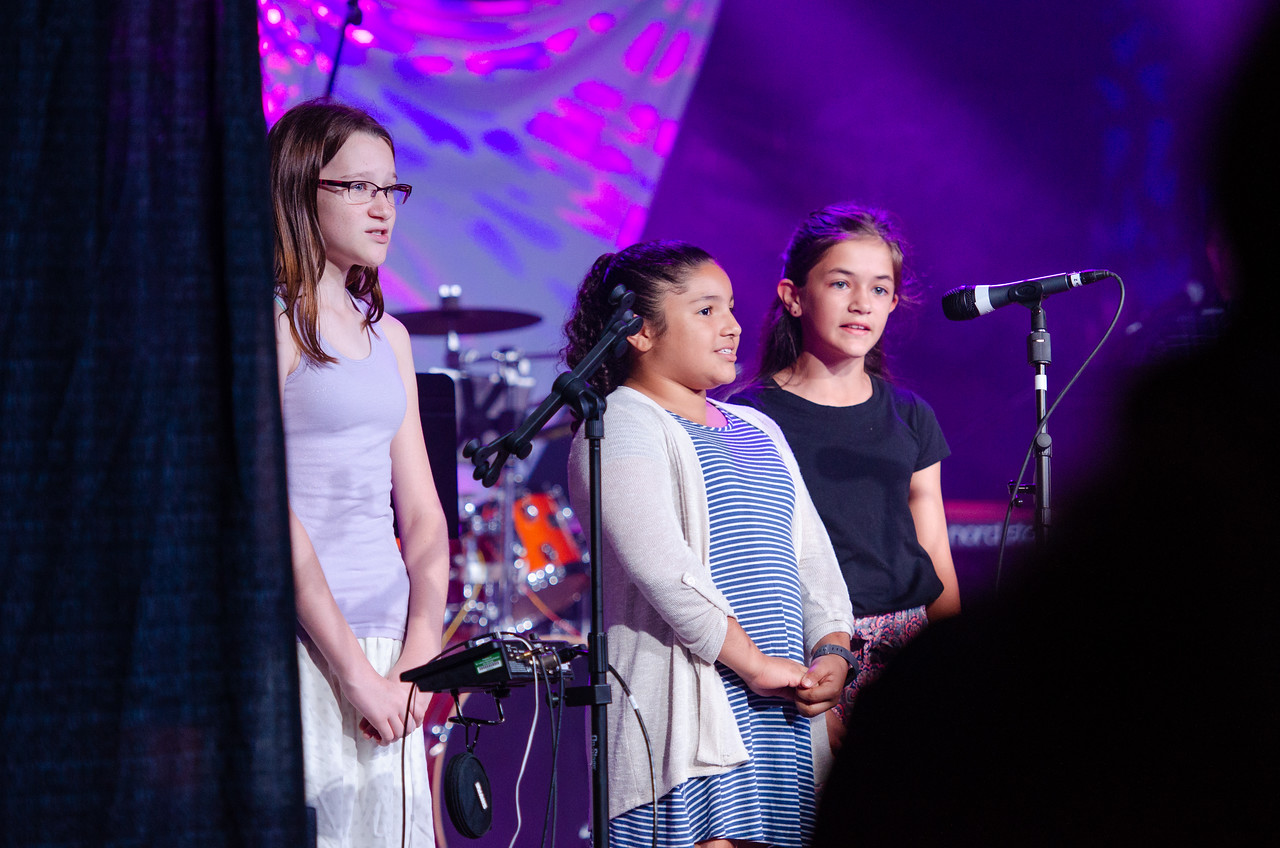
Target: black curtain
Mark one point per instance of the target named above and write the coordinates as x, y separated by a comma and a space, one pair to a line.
148, 691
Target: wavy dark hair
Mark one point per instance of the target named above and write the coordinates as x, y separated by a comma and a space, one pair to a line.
781, 340
301, 143
650, 270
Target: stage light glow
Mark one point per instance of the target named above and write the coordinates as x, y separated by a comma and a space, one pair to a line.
537, 130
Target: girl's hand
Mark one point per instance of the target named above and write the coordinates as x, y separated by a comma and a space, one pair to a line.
380, 703
421, 700
775, 677
820, 690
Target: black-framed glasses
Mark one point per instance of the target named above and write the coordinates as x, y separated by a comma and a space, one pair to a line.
363, 191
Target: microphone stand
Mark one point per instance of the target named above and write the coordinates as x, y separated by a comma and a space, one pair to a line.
572, 388
1039, 356
354, 18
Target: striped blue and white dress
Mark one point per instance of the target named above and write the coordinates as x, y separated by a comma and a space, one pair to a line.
770, 800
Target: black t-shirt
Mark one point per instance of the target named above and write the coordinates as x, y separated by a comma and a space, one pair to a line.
857, 463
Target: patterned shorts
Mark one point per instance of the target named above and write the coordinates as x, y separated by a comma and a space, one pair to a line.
882, 636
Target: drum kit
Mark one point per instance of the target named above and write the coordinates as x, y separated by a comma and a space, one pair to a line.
519, 562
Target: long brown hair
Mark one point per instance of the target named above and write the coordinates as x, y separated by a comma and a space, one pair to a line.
781, 340
301, 143
649, 270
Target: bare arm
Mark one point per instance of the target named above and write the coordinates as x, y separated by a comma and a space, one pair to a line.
424, 541
373, 695
766, 675
925, 501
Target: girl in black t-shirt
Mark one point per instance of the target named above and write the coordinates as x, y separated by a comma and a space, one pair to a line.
870, 452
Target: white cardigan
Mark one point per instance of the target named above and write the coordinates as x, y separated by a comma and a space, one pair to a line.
665, 619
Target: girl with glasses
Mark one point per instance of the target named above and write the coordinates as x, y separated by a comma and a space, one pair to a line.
368, 608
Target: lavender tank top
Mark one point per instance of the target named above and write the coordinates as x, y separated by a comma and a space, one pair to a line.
339, 419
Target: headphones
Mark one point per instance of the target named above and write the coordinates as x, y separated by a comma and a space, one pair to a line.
466, 794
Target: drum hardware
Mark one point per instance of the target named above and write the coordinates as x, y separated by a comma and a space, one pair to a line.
544, 581
452, 320
464, 321
517, 564
506, 399
573, 389
486, 403
473, 579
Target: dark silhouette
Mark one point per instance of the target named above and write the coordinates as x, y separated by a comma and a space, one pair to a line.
1125, 691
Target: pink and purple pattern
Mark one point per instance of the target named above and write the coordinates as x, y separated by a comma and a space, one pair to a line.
534, 131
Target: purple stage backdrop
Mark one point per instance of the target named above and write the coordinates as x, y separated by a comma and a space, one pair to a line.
1011, 139
533, 131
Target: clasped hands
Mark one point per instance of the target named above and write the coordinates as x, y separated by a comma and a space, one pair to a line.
814, 690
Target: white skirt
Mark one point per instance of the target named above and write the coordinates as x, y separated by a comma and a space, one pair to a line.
359, 789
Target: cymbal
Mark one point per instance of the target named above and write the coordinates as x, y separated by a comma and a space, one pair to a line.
439, 322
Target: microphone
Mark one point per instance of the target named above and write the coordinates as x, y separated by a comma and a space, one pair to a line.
965, 302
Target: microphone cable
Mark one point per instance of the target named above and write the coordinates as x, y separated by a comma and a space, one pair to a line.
404, 770
533, 726
555, 707
1017, 484
404, 744
648, 749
